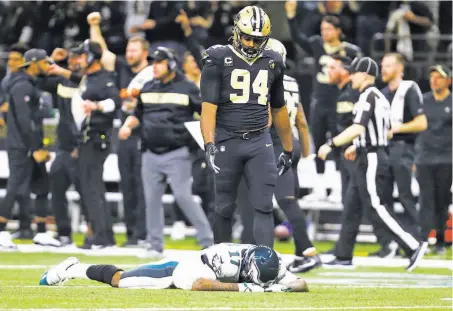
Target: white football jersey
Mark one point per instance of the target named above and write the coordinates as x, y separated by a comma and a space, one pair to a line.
225, 260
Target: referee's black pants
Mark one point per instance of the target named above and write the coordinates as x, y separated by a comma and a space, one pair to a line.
366, 193
130, 167
63, 173
92, 156
435, 197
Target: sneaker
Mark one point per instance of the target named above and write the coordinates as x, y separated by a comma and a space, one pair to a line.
46, 240
153, 254
387, 252
178, 231
23, 234
304, 264
417, 256
57, 274
6, 241
339, 264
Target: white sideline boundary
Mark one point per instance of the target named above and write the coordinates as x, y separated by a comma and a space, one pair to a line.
244, 309
177, 254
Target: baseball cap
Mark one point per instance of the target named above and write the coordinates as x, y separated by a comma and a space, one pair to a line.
444, 71
160, 54
88, 46
34, 55
366, 65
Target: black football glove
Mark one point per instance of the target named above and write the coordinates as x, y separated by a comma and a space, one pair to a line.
284, 162
210, 150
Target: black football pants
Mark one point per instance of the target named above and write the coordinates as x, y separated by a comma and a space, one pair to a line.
253, 159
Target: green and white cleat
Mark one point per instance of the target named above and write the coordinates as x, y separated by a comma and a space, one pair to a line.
57, 275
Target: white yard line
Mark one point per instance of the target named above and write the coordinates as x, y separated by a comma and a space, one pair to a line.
245, 309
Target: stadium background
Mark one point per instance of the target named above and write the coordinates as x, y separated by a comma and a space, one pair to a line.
52, 24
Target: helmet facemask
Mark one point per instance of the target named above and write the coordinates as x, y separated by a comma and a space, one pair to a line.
251, 23
248, 52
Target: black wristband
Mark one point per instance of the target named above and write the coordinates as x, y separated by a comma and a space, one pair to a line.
290, 153
330, 143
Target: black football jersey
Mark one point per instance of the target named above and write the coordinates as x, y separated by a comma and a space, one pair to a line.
323, 91
245, 88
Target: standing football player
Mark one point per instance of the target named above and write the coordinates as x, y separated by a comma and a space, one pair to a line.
238, 82
287, 184
323, 103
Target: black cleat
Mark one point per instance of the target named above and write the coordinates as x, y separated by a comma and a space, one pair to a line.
339, 264
304, 264
417, 256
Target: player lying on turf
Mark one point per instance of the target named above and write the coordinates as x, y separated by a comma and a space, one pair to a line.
221, 267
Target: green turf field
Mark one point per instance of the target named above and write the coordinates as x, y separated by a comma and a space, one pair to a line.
365, 288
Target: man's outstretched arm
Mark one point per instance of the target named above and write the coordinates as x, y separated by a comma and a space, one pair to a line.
209, 285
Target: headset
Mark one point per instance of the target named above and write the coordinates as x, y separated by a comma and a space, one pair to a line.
91, 57
172, 63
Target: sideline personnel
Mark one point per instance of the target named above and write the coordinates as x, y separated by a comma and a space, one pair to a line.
100, 99
24, 145
433, 157
370, 131
163, 106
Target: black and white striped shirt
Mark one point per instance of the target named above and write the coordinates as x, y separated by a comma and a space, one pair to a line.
373, 112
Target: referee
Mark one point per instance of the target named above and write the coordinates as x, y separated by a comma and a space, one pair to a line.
370, 130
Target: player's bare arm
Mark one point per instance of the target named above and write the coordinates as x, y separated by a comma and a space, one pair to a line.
281, 121
214, 286
108, 58
418, 124
302, 127
208, 121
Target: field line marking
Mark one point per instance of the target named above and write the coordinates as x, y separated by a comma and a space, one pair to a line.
245, 309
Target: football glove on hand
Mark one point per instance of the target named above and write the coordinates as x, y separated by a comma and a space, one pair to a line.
250, 288
210, 150
277, 288
284, 162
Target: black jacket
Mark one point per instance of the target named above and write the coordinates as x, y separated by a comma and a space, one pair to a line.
97, 87
24, 118
162, 110
62, 91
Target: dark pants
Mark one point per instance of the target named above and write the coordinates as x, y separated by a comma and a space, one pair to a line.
322, 125
203, 186
92, 156
401, 158
346, 172
25, 177
435, 197
366, 193
254, 160
286, 196
63, 173
130, 166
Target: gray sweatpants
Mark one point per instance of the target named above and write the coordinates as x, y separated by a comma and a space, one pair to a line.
174, 167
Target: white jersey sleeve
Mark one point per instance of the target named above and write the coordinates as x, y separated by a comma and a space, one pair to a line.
190, 270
